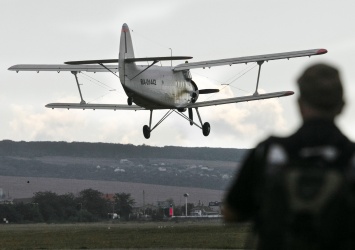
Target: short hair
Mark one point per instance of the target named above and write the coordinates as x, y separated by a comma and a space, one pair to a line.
321, 88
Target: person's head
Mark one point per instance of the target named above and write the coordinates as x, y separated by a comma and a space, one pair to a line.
321, 92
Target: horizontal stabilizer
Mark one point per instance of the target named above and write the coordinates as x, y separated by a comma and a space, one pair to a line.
240, 99
93, 106
62, 67
166, 58
93, 61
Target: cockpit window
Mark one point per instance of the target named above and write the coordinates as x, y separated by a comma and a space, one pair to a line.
187, 75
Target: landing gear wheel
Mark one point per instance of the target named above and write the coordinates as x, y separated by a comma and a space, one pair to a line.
206, 128
146, 132
130, 101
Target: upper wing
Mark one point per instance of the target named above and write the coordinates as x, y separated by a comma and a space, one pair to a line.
93, 106
84, 65
166, 58
240, 99
63, 67
247, 59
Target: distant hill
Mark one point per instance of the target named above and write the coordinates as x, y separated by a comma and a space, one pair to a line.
210, 168
104, 150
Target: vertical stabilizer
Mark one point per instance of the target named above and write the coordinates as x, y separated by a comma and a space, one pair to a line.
126, 50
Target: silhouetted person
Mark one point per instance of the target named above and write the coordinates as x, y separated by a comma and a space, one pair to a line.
298, 191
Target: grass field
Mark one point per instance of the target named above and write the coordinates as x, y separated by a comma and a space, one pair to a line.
205, 235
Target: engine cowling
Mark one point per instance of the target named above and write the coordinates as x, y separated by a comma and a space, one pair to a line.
195, 94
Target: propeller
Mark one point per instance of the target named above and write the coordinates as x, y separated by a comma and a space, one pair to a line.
198, 92
195, 95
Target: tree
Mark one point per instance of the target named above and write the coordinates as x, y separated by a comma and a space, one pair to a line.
124, 204
49, 206
171, 201
9, 213
29, 212
54, 207
93, 201
69, 207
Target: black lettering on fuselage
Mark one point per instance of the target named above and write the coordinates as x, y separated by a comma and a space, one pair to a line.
148, 82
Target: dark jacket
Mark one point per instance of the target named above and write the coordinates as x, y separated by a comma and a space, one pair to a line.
246, 193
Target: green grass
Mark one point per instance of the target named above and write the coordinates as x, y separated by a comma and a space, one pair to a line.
123, 235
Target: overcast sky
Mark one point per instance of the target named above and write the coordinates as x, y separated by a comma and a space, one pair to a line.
53, 32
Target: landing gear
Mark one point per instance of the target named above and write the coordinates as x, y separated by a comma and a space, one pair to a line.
191, 117
146, 131
130, 101
206, 128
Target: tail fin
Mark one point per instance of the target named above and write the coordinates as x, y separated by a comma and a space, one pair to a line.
126, 50
126, 47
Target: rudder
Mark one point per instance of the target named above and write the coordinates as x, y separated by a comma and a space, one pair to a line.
126, 50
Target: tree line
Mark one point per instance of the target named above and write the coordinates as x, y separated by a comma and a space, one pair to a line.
89, 206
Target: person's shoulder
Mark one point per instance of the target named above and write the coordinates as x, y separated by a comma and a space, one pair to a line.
262, 147
273, 140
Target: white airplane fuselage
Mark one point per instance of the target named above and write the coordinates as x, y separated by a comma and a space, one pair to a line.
153, 87
158, 86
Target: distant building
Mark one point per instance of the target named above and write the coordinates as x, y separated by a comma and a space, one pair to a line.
203, 211
3, 198
126, 162
215, 206
163, 204
144, 212
109, 197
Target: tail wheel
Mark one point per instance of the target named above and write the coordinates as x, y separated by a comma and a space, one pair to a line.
130, 101
206, 128
146, 131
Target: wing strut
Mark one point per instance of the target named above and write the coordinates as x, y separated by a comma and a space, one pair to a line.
108, 69
155, 61
257, 81
77, 82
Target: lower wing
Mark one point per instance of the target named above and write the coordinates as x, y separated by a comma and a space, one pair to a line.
93, 106
240, 99
192, 105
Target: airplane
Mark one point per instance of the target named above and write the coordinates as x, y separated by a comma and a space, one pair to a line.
152, 87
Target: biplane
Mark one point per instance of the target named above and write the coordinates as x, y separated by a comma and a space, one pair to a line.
151, 87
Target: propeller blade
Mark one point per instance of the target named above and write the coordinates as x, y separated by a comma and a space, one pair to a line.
208, 91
